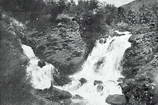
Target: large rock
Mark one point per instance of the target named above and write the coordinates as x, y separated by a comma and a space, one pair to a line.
59, 45
97, 82
83, 81
60, 94
116, 99
41, 63
100, 88
54, 94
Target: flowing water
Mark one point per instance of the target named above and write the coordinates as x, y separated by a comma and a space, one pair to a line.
40, 77
98, 77
100, 72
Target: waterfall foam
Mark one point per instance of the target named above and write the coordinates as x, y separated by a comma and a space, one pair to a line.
40, 77
103, 64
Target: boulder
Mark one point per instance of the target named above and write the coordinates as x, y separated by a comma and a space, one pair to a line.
100, 88
53, 94
83, 81
77, 97
97, 82
116, 99
98, 64
41, 63
61, 79
102, 41
60, 94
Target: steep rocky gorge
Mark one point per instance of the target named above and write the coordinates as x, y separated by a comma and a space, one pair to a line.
66, 44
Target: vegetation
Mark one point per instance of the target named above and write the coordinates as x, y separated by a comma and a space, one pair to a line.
14, 86
93, 19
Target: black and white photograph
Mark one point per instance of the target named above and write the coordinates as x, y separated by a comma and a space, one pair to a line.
78, 52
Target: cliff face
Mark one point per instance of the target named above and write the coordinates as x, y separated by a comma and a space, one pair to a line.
140, 60
13, 84
140, 68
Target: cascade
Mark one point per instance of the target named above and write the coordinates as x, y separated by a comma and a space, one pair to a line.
99, 75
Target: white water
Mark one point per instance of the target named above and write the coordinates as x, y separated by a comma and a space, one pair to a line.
40, 78
106, 55
110, 55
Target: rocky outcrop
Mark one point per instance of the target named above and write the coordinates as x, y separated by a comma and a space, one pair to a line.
116, 99
60, 45
97, 82
54, 94
83, 81
140, 67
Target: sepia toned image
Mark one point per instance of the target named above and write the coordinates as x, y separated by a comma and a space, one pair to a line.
78, 52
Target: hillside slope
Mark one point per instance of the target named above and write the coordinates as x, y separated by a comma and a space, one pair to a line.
137, 4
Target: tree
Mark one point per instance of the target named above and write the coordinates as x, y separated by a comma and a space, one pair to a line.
131, 17
121, 14
110, 13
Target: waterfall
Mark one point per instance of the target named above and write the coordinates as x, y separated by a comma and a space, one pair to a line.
98, 77
40, 77
100, 72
